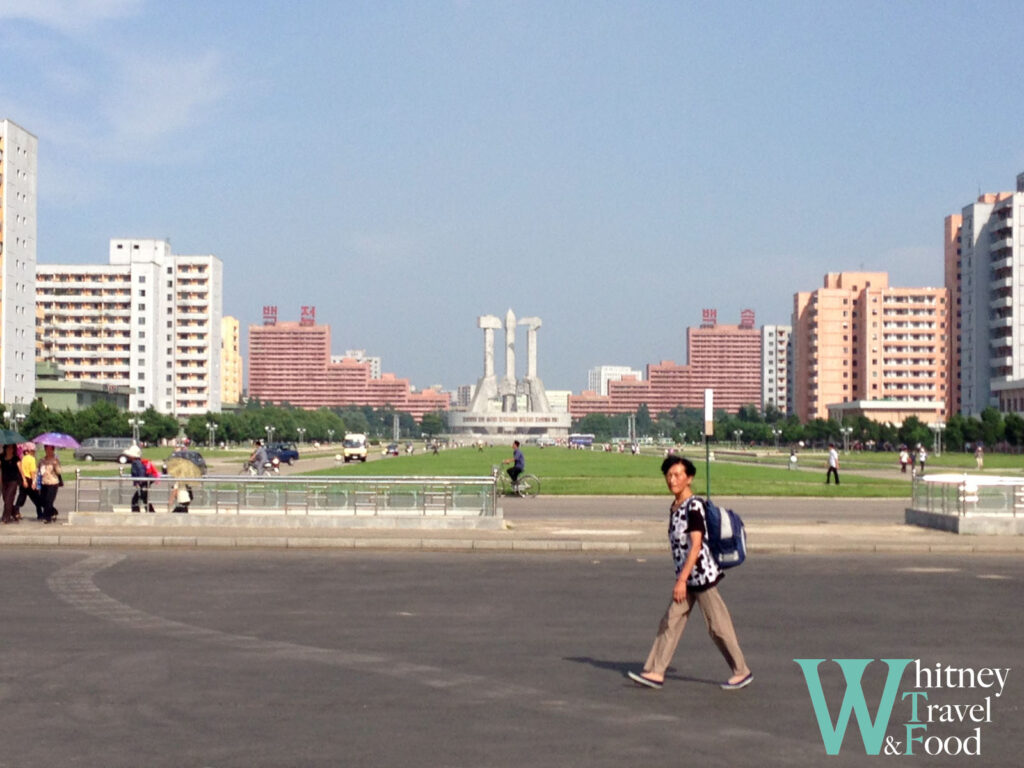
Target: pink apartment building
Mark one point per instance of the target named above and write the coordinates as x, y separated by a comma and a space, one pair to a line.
291, 363
724, 358
862, 347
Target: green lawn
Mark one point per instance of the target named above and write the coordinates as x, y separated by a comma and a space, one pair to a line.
562, 471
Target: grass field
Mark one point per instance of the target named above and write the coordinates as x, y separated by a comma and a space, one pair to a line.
564, 472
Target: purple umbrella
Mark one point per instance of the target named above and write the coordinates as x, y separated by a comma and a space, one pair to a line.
56, 439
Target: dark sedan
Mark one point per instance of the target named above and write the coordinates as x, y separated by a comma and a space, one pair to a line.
189, 455
285, 453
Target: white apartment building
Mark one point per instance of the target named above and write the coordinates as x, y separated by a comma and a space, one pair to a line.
149, 320
360, 356
18, 188
599, 376
775, 368
985, 275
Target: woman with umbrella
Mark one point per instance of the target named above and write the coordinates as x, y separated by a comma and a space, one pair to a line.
50, 470
181, 468
51, 480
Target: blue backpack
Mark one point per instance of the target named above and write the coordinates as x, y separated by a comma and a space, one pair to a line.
727, 538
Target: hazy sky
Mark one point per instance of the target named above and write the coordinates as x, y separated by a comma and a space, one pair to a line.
611, 167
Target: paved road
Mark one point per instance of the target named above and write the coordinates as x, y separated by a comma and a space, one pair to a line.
221, 659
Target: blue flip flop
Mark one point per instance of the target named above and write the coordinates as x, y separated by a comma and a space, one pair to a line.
739, 683
646, 681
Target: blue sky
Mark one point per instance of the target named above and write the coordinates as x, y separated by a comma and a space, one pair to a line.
611, 167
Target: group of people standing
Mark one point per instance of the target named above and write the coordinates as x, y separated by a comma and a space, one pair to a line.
23, 478
907, 459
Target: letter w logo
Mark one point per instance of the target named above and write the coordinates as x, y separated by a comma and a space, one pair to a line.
871, 732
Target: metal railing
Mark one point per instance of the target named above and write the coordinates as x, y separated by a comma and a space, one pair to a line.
968, 495
298, 494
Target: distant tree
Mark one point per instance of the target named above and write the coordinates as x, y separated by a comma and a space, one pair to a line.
596, 424
972, 430
750, 414
41, 419
644, 423
913, 431
992, 427
1014, 429
432, 424
772, 414
102, 419
954, 434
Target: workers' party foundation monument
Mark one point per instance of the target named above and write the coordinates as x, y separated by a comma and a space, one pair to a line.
510, 406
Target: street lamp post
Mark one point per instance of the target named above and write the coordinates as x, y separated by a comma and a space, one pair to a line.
330, 435
846, 438
776, 433
211, 429
270, 433
136, 423
937, 428
739, 437
301, 431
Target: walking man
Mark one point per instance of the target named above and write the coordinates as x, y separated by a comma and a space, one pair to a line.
833, 464
697, 577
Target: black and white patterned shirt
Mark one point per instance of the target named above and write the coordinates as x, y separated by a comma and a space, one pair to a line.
687, 518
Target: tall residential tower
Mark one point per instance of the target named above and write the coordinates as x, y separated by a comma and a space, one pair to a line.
18, 185
985, 276
863, 348
149, 320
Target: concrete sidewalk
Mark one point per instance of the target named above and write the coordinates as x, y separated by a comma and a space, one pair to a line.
583, 524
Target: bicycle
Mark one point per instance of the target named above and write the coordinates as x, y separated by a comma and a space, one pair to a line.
526, 486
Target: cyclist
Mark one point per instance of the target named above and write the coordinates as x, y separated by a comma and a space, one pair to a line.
259, 457
518, 465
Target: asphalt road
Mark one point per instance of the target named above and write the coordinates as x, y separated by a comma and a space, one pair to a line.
191, 658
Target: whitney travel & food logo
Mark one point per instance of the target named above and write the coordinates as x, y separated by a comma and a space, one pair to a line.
927, 724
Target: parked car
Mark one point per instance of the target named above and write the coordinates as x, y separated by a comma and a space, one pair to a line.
391, 450
186, 453
103, 449
285, 453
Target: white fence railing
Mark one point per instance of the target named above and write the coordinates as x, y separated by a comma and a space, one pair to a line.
296, 494
965, 495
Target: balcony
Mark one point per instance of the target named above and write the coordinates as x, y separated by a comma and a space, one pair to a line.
1001, 322
1000, 282
1001, 303
1001, 242
1002, 262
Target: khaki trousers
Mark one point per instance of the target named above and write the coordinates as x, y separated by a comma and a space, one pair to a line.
719, 623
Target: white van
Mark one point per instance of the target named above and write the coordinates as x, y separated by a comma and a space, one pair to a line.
354, 447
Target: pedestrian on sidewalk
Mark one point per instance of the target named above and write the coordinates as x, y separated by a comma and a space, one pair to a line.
28, 468
833, 464
922, 457
50, 479
140, 499
10, 481
697, 577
